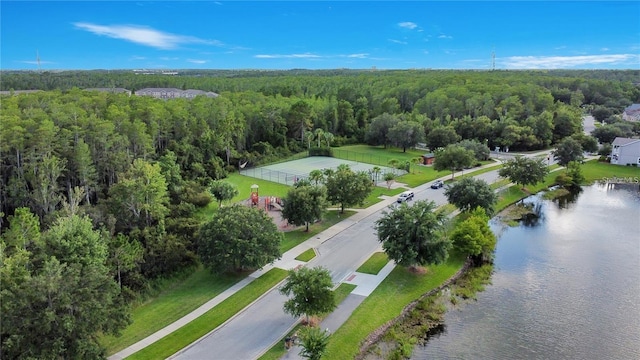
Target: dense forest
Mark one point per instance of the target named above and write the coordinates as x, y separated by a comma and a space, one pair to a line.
131, 172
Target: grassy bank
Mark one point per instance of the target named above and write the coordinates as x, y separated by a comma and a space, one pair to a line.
213, 318
399, 289
179, 299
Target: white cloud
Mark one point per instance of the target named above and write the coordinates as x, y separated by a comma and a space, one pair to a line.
288, 56
559, 62
445, 37
143, 35
196, 61
398, 41
36, 62
604, 49
136, 57
312, 56
408, 25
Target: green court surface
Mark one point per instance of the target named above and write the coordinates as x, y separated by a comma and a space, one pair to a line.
291, 171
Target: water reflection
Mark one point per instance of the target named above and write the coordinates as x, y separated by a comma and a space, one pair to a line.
565, 287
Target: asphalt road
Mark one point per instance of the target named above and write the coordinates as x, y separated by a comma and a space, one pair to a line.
263, 323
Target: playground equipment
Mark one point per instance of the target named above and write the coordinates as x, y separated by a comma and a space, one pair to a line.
255, 198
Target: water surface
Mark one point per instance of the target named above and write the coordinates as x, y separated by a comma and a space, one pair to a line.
564, 287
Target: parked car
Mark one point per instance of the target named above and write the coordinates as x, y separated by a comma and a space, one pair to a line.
405, 196
437, 184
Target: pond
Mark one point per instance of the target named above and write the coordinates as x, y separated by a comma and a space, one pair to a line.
564, 287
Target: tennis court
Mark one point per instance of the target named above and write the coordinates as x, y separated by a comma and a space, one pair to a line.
291, 171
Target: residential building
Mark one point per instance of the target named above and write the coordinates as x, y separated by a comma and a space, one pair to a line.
631, 113
625, 151
111, 90
173, 93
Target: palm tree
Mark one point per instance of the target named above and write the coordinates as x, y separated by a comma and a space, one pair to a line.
316, 176
309, 136
319, 132
328, 137
376, 171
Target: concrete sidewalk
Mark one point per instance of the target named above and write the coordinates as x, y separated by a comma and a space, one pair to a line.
286, 262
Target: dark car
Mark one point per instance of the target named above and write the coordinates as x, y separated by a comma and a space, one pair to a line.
437, 184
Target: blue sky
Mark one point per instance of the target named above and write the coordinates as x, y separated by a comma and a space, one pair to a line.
319, 35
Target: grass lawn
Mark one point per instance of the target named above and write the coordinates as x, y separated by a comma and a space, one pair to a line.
172, 304
306, 256
387, 301
595, 171
374, 197
243, 184
199, 327
374, 264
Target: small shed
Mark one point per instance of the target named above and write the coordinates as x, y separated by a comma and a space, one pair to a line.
427, 159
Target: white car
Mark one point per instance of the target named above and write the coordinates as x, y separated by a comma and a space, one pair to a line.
405, 196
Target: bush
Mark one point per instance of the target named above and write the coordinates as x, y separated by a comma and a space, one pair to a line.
201, 199
320, 151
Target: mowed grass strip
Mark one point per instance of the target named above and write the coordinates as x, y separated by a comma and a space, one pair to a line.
375, 196
213, 318
374, 264
386, 302
170, 305
306, 256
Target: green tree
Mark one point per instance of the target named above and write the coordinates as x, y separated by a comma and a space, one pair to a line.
569, 149
124, 255
411, 235
378, 131
237, 238
442, 136
44, 182
607, 133
140, 196
310, 290
573, 177
58, 298
588, 143
304, 204
346, 187
453, 157
481, 151
389, 178
314, 342
524, 171
473, 236
316, 176
24, 230
406, 134
469, 193
222, 191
